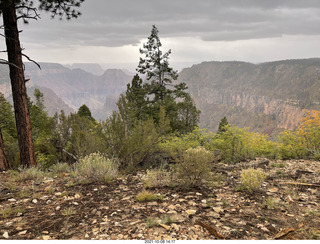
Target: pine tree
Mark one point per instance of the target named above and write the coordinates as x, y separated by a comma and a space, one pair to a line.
137, 99
159, 92
11, 11
156, 66
222, 125
84, 111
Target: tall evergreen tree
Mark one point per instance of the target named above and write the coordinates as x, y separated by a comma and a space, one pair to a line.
156, 66
159, 92
11, 11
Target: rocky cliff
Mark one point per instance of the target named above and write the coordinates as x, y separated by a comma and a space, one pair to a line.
52, 102
77, 87
267, 97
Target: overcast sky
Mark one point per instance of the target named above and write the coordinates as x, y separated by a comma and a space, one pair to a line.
112, 31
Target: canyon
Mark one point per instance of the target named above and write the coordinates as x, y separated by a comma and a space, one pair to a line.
267, 97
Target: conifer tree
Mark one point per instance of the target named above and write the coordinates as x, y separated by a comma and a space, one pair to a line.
222, 125
159, 90
137, 99
84, 111
156, 66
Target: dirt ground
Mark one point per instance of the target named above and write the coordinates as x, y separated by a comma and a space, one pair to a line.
286, 206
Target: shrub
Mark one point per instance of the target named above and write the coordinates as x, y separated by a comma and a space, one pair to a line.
291, 146
270, 203
95, 167
237, 144
129, 144
46, 153
33, 173
157, 178
151, 222
146, 196
175, 146
194, 167
60, 168
252, 179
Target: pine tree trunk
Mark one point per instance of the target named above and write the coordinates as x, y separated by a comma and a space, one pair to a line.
17, 78
3, 160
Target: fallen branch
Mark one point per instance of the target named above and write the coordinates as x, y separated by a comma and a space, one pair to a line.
284, 233
300, 184
209, 228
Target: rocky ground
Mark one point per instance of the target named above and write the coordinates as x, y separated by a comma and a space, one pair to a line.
287, 206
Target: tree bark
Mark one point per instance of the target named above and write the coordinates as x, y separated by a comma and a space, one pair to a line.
19, 92
3, 160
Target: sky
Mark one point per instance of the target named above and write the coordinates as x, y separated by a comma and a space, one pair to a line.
112, 31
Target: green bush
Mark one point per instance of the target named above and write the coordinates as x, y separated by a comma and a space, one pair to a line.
95, 167
237, 144
129, 144
12, 150
193, 168
252, 179
46, 153
175, 146
291, 146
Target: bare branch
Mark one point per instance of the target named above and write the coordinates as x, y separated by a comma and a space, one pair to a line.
31, 60
25, 17
3, 61
6, 37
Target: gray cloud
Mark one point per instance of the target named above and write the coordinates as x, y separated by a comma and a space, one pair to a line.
125, 22
111, 31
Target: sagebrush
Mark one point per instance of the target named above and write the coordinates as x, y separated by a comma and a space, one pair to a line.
96, 167
252, 179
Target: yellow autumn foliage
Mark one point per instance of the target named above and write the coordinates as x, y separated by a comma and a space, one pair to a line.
305, 140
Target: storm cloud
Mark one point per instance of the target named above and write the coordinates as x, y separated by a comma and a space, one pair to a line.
118, 23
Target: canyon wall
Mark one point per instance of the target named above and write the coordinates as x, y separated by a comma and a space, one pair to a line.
266, 97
